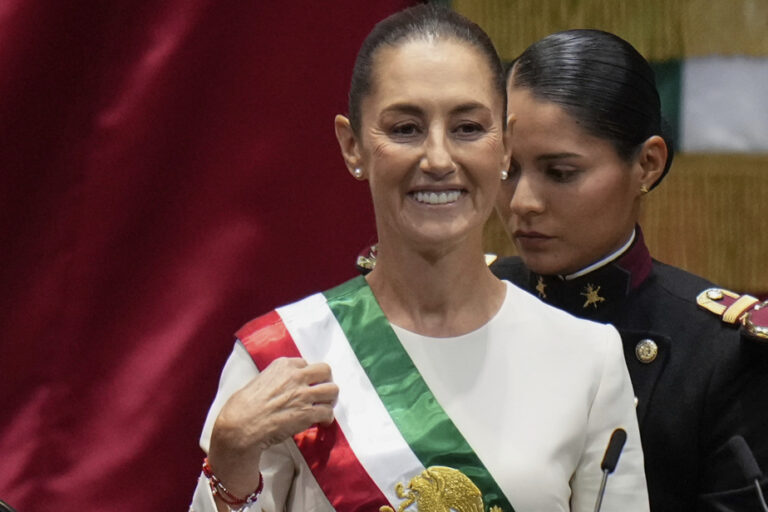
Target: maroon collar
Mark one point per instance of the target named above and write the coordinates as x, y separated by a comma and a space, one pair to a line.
593, 294
636, 260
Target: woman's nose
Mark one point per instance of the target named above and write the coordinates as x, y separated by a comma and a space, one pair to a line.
437, 159
525, 199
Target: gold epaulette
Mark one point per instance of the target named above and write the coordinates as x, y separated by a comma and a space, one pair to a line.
746, 310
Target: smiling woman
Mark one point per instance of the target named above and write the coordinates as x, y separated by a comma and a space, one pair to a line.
429, 381
431, 146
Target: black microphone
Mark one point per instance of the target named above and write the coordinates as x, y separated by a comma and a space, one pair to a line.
748, 465
610, 460
4, 507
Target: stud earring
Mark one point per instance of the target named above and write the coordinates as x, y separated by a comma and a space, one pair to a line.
504, 174
644, 190
358, 173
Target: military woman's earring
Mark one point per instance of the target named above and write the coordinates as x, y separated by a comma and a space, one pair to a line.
358, 173
504, 174
643, 189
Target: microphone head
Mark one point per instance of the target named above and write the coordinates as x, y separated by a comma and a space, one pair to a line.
745, 458
615, 445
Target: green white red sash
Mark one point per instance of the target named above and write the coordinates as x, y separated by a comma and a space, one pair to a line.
388, 426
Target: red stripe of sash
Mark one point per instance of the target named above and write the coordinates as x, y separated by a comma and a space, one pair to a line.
326, 450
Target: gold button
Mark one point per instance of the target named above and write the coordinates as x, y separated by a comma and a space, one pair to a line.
646, 351
714, 294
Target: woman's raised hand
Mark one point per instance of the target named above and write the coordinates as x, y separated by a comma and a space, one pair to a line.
286, 398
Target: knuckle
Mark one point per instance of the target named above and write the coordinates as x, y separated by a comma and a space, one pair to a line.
289, 361
320, 369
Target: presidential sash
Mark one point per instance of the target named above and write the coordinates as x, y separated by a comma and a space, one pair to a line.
391, 443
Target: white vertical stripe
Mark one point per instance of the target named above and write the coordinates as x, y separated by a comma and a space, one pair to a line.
369, 429
724, 105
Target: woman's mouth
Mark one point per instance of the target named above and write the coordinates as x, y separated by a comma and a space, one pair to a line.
436, 197
529, 234
531, 240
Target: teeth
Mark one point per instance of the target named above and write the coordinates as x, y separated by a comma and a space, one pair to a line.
444, 197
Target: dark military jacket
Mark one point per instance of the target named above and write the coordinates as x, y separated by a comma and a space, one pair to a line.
697, 382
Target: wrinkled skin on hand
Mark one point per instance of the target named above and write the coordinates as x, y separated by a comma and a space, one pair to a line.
286, 398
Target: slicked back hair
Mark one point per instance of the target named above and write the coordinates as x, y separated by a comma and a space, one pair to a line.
422, 22
601, 81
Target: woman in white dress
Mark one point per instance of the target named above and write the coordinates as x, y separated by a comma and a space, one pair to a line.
429, 384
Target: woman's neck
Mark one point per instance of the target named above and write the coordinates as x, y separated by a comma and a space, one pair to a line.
603, 261
437, 294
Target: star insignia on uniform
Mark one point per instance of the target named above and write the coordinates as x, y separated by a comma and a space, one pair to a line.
540, 287
592, 294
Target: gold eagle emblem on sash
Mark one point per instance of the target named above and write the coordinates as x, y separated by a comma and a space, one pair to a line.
440, 489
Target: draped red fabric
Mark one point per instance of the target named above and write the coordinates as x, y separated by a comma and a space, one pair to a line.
168, 170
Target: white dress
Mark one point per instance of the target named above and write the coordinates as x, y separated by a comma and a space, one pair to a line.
535, 392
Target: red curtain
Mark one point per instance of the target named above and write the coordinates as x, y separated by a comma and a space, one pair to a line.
168, 170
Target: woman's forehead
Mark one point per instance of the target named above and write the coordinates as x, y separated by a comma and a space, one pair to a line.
431, 66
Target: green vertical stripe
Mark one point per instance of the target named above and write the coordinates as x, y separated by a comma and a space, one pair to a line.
425, 426
669, 84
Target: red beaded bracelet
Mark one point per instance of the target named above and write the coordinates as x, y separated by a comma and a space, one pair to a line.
218, 489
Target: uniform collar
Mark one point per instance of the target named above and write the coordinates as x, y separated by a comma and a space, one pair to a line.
603, 262
594, 291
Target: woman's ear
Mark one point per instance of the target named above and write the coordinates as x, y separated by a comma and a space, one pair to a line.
508, 142
652, 159
349, 145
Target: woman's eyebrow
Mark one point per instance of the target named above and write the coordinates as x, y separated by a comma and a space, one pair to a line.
404, 108
556, 156
468, 107
410, 108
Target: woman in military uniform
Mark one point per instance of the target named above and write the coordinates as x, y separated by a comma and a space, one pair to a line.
587, 144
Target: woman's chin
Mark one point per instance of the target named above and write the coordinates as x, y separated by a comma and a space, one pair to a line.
440, 233
542, 264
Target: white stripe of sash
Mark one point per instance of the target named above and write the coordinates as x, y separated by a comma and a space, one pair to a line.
368, 427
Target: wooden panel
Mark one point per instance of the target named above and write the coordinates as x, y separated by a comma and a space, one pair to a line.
659, 29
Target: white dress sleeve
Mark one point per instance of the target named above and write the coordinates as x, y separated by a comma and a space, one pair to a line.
278, 465
613, 407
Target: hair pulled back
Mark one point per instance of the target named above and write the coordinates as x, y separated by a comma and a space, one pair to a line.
601, 81
424, 22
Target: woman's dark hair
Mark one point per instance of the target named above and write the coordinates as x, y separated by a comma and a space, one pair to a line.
601, 81
421, 22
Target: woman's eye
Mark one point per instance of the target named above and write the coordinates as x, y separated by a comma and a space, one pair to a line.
405, 130
469, 129
562, 175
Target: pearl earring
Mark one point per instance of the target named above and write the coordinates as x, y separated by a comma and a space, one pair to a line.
358, 173
504, 174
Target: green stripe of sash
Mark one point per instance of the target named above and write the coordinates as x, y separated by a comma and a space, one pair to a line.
425, 426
